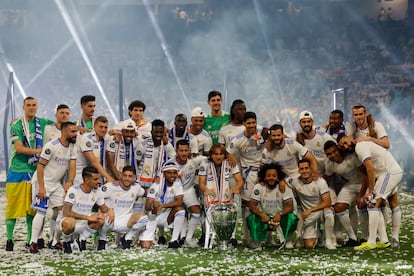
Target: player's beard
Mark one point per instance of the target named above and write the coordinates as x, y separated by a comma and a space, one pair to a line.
307, 129
71, 140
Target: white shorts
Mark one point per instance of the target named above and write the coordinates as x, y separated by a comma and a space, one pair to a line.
332, 195
190, 198
387, 184
249, 183
348, 194
55, 193
120, 224
160, 220
311, 225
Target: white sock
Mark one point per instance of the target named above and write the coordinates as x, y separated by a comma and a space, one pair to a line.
396, 223
329, 224
37, 225
363, 220
87, 232
353, 216
139, 225
373, 218
346, 224
382, 232
184, 228
192, 225
385, 214
338, 228
58, 232
178, 224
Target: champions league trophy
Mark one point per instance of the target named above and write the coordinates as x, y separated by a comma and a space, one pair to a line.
222, 218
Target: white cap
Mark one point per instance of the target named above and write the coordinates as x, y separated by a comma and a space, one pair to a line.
305, 114
169, 167
197, 112
128, 124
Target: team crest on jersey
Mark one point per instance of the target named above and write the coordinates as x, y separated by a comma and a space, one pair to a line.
277, 194
71, 195
226, 170
104, 188
256, 192
138, 152
132, 194
231, 145
88, 144
152, 191
47, 151
202, 169
93, 199
314, 189
112, 145
318, 144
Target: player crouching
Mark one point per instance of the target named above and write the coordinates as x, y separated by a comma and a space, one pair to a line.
165, 204
121, 197
77, 210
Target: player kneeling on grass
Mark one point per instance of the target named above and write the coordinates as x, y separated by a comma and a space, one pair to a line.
121, 197
77, 210
314, 198
165, 204
271, 206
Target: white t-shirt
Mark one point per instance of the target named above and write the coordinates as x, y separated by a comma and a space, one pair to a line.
169, 195
51, 132
227, 133
249, 150
287, 157
310, 195
271, 200
355, 132
204, 141
348, 169
383, 160
58, 157
122, 201
82, 203
315, 146
187, 172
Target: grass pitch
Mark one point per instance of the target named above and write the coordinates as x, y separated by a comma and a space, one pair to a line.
239, 261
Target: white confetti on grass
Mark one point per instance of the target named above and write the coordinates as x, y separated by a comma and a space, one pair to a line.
162, 261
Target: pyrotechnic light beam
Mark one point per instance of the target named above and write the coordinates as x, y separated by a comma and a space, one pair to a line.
73, 32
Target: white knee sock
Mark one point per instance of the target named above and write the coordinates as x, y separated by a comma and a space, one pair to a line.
346, 224
353, 216
178, 224
373, 219
192, 225
382, 232
363, 221
139, 225
396, 223
329, 224
37, 225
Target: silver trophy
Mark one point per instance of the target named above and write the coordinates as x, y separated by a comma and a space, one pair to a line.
222, 218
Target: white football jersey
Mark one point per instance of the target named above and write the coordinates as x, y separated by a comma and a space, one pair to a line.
122, 201
58, 157
287, 157
310, 195
271, 200
82, 203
